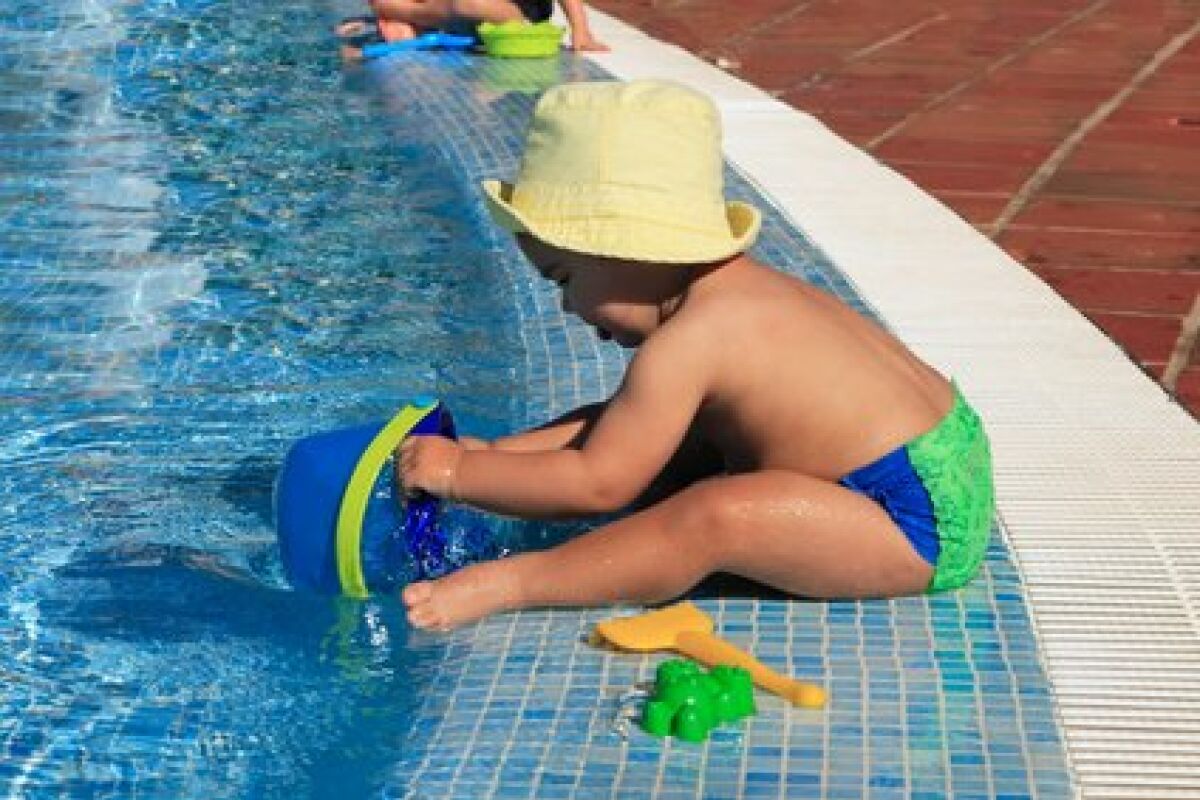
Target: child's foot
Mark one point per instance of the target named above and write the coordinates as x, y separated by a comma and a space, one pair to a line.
355, 33
358, 31
465, 596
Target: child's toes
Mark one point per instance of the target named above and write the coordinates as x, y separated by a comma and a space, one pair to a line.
352, 26
423, 617
423, 611
417, 593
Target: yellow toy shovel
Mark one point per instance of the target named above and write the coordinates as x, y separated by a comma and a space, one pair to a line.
686, 629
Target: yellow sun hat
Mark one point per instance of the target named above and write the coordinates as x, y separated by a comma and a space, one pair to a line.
625, 170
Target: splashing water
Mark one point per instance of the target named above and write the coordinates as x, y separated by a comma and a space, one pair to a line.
455, 536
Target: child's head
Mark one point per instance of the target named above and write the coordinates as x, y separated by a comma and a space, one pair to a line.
625, 170
620, 185
623, 300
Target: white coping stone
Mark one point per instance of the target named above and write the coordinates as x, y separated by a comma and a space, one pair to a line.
1097, 470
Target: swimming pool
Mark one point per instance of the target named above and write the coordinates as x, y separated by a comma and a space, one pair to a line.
218, 240
210, 250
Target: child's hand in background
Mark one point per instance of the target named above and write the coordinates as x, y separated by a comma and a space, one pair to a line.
428, 463
583, 42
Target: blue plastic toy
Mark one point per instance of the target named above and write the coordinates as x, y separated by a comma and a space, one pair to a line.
434, 40
339, 530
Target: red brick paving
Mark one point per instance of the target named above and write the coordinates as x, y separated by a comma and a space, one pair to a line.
971, 98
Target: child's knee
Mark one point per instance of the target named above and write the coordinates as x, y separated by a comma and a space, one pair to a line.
709, 513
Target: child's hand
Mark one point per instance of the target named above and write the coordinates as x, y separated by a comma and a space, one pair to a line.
428, 463
582, 42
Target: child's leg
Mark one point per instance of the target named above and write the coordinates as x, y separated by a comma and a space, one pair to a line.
357, 32
799, 534
423, 14
409, 16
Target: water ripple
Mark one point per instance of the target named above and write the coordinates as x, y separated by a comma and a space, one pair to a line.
211, 242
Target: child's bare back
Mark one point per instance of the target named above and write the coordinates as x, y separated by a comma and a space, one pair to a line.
800, 381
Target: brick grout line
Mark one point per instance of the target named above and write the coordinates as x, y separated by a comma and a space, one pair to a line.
861, 53
1065, 148
748, 35
1029, 227
1185, 347
1026, 47
1090, 197
898, 36
1133, 314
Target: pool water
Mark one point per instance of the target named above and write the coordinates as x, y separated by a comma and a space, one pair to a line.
214, 240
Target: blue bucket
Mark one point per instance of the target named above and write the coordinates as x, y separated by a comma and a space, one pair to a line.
339, 521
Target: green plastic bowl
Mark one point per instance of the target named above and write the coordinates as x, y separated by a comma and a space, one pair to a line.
521, 39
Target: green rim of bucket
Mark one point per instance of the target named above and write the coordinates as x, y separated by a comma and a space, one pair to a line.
358, 493
521, 39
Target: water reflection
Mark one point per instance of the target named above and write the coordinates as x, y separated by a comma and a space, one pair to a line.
86, 208
209, 247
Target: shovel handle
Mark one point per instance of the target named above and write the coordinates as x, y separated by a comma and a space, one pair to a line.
714, 651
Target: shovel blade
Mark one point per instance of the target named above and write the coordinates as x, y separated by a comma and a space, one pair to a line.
655, 630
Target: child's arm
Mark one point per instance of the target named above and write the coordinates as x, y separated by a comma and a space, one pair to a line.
581, 33
569, 430
640, 429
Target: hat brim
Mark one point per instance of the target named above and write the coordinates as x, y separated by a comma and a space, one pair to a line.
625, 237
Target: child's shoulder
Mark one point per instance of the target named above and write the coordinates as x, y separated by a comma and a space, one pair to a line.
727, 312
751, 288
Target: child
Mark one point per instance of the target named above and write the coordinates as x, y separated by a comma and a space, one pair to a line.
403, 19
846, 467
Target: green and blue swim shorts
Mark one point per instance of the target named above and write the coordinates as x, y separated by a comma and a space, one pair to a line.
938, 490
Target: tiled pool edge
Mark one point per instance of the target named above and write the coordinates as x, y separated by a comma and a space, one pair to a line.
1097, 474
